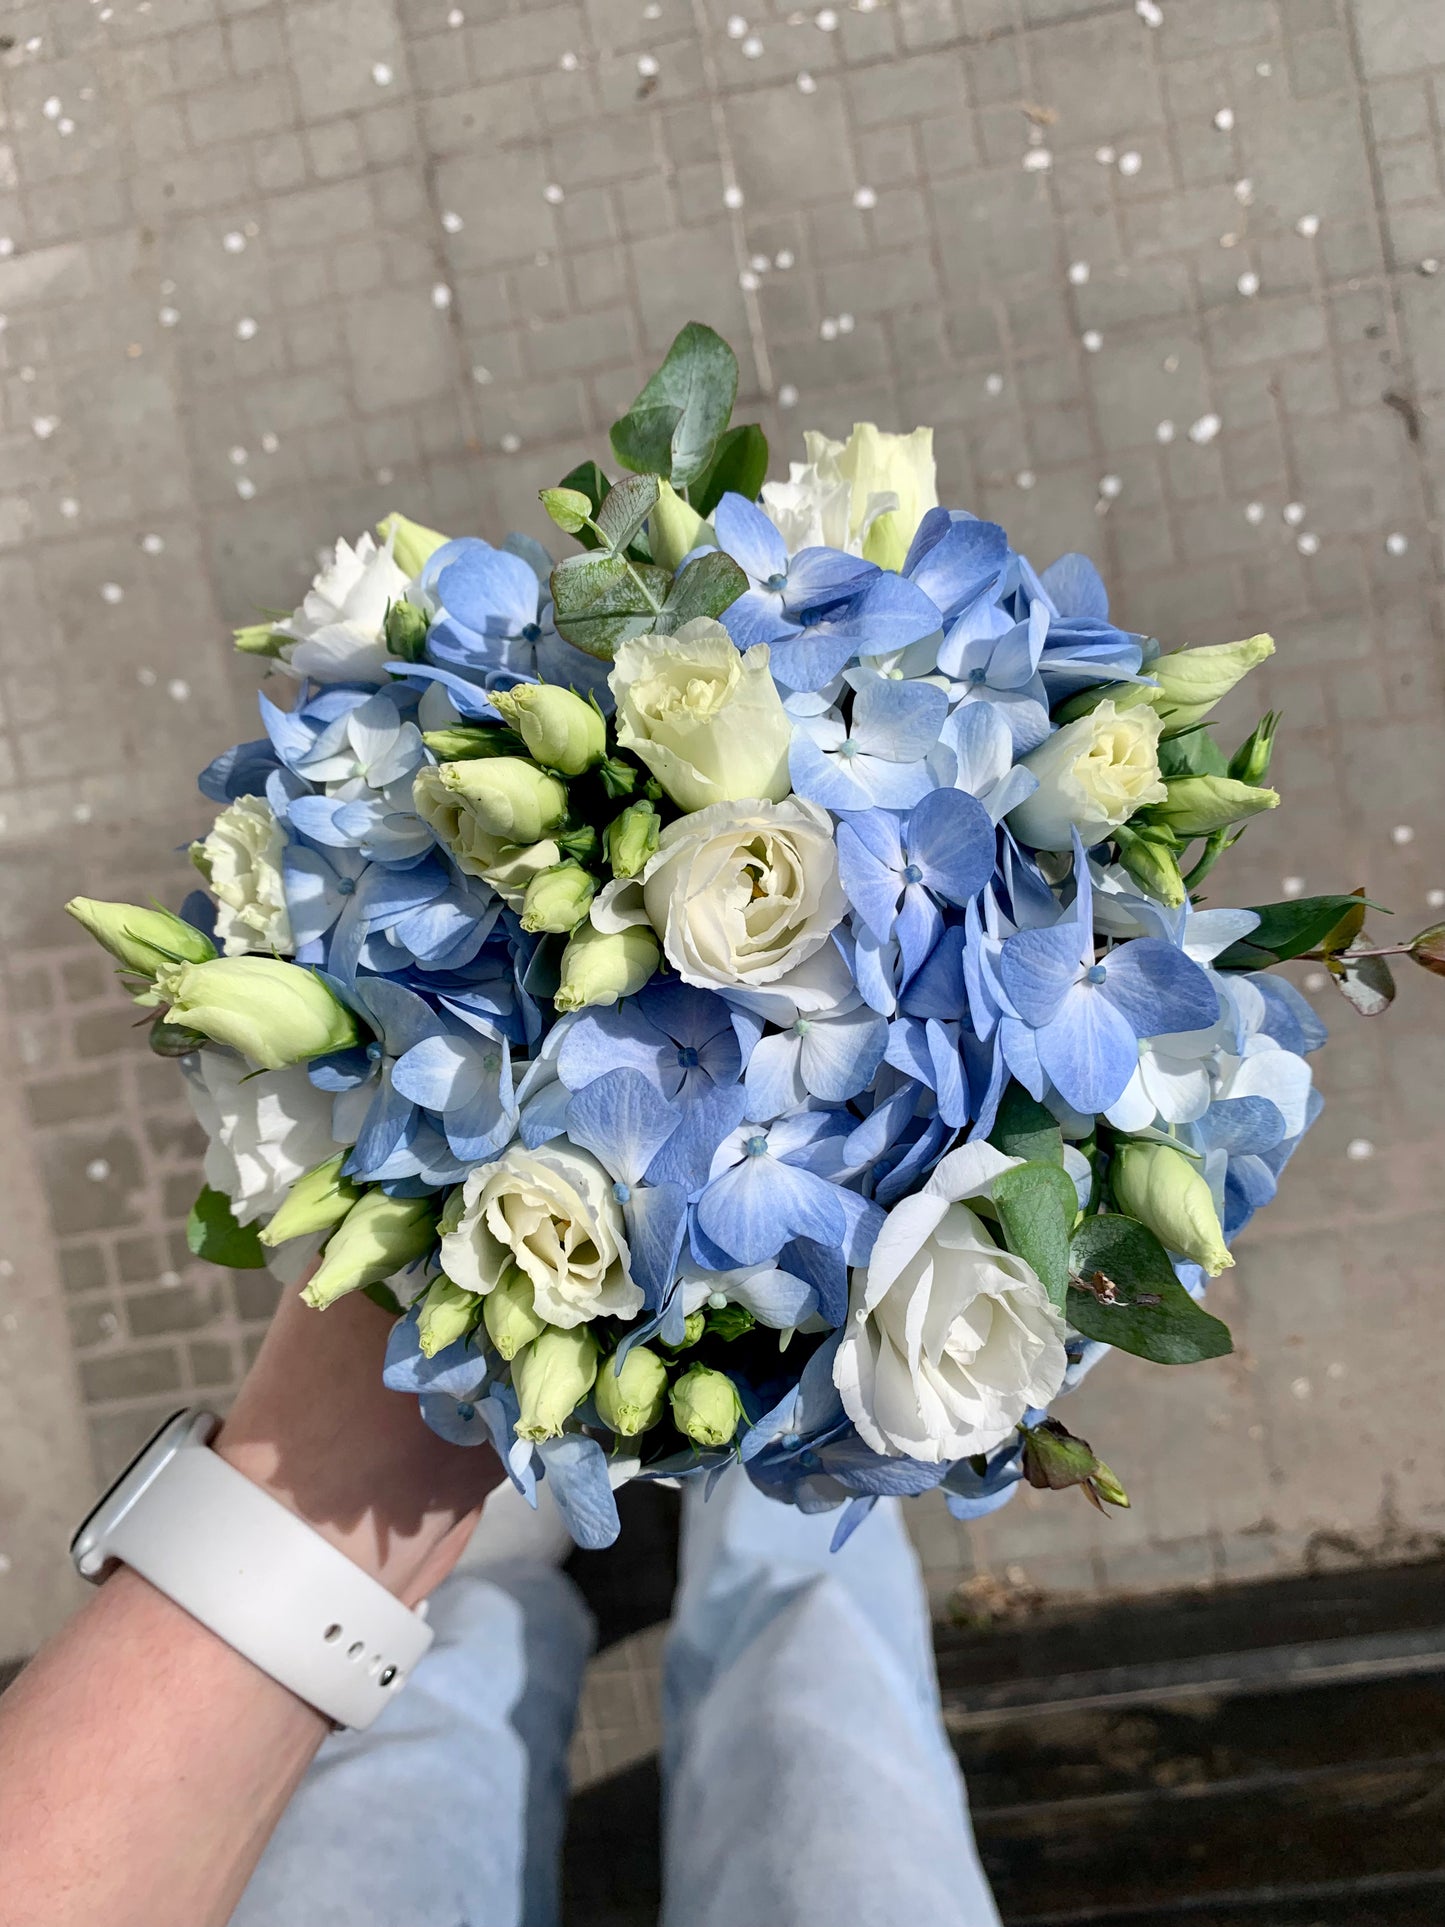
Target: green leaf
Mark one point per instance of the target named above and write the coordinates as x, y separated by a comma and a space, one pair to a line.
705, 588
1286, 930
587, 479
1427, 947
1037, 1205
1024, 1129
627, 507
599, 600
739, 466
569, 508
1193, 752
1154, 1316
213, 1234
673, 427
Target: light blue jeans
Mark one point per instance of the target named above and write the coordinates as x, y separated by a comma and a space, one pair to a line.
809, 1782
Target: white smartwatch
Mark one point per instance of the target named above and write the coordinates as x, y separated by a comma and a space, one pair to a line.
257, 1575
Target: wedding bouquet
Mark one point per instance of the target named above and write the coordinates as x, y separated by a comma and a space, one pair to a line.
740, 992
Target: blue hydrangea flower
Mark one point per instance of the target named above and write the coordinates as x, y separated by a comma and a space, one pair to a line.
784, 591
891, 871
880, 758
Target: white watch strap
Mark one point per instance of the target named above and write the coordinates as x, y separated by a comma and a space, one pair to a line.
262, 1580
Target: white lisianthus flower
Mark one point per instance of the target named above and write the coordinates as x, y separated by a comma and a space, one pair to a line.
746, 895
241, 861
866, 495
949, 1339
339, 629
266, 1129
704, 717
553, 1213
1092, 775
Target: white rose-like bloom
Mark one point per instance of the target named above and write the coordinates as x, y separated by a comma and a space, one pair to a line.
1093, 775
241, 860
339, 628
266, 1128
744, 894
950, 1339
704, 717
553, 1212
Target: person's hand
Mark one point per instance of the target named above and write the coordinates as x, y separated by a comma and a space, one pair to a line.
314, 1425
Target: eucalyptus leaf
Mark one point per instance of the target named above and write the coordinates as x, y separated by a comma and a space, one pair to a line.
626, 509
1286, 930
1036, 1205
600, 600
673, 427
569, 508
213, 1234
739, 467
1024, 1129
705, 588
1153, 1316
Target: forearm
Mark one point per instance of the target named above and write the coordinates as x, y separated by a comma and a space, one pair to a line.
143, 1762
143, 1765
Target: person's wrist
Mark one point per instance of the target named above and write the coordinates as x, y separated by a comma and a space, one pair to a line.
314, 1427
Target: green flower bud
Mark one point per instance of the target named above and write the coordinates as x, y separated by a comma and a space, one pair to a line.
580, 842
406, 628
259, 639
1150, 855
509, 1314
1165, 1191
508, 866
551, 1378
558, 899
447, 1314
693, 1327
508, 797
632, 1395
706, 1407
561, 731
632, 838
1250, 762
1196, 805
1123, 695
674, 528
462, 741
378, 1237
599, 966
412, 546
145, 941
272, 1012
316, 1201
1191, 681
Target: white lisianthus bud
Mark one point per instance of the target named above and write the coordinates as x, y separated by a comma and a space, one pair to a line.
319, 1199
558, 899
1197, 805
561, 730
509, 1311
509, 797
632, 1392
447, 1314
377, 1237
1092, 774
241, 861
1191, 681
674, 528
706, 1407
411, 543
601, 966
272, 1012
507, 865
1167, 1193
875, 464
144, 940
704, 717
551, 1378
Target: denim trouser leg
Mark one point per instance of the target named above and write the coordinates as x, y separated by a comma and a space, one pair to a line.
809, 1780
449, 1811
